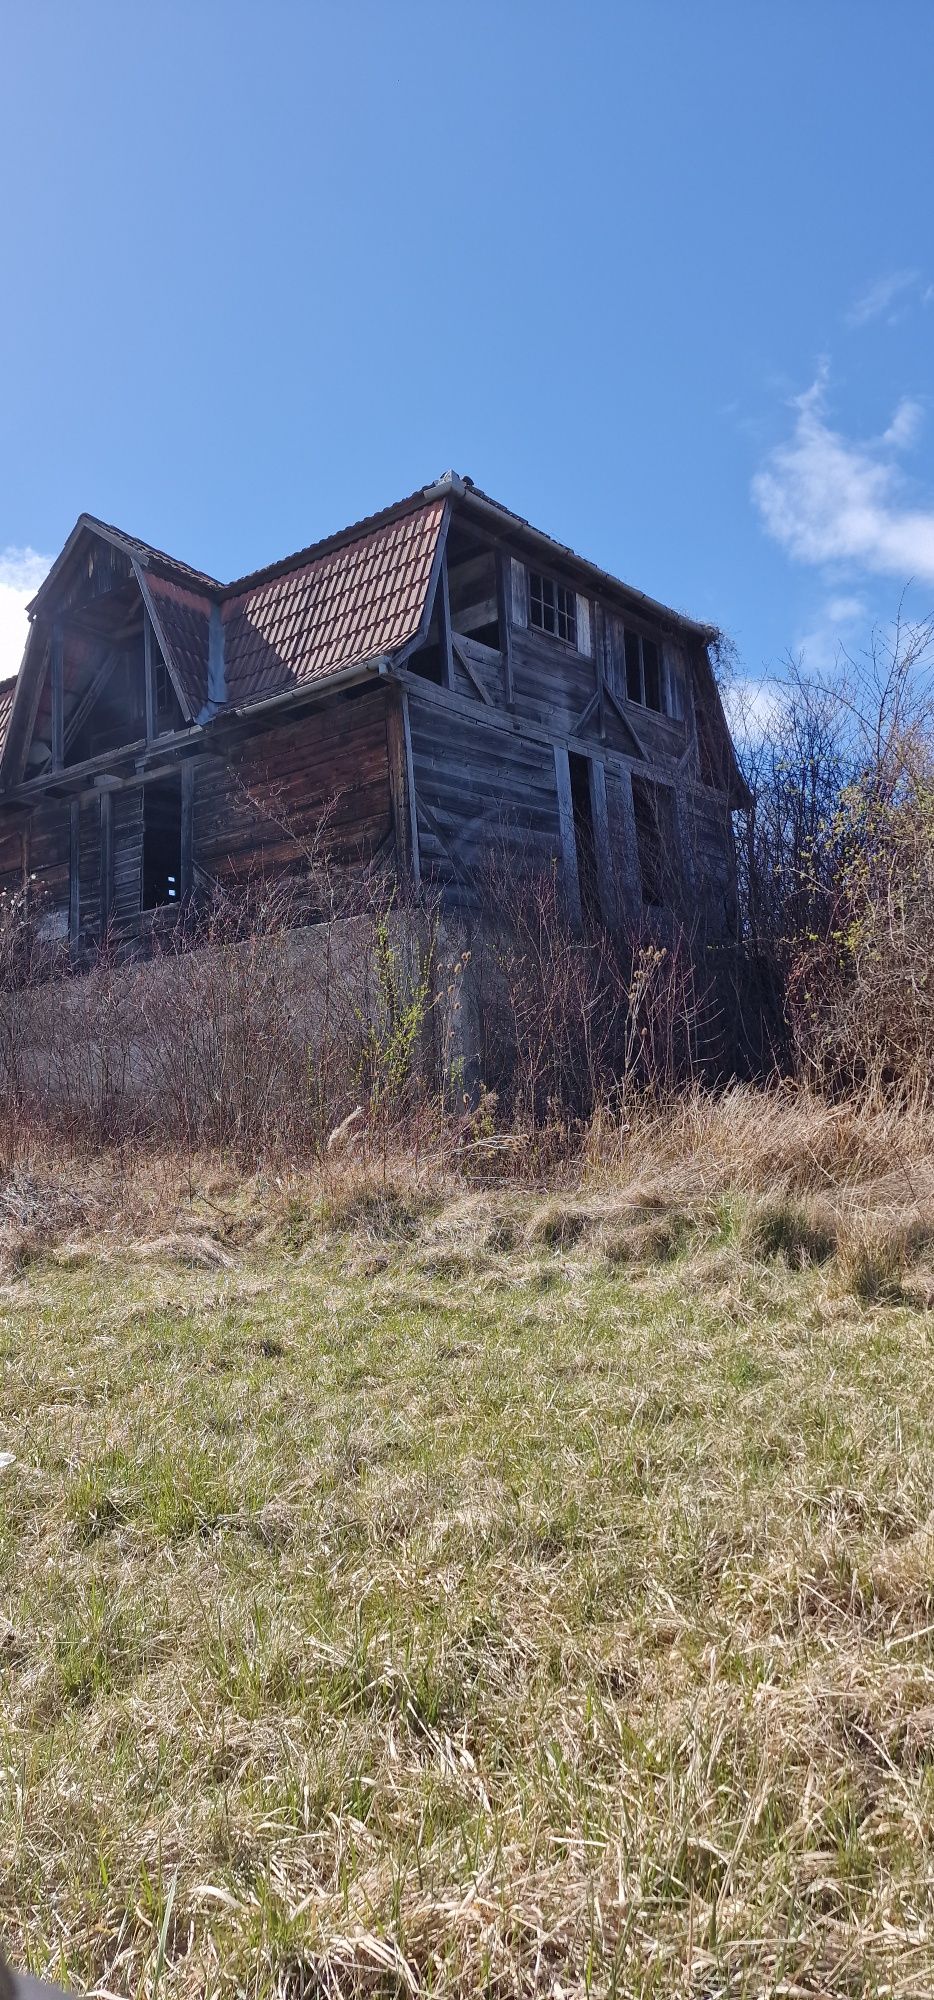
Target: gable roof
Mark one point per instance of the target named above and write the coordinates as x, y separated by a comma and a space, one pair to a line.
135, 550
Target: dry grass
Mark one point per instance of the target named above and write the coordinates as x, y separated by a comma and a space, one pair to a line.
411, 1587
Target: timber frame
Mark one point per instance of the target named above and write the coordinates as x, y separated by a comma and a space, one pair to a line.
381, 698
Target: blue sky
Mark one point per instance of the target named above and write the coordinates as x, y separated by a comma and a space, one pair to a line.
659, 276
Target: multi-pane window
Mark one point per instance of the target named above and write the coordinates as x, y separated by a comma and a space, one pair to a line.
643, 670
552, 608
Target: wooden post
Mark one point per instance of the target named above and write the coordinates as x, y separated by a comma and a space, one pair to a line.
150, 693
600, 642
107, 861
443, 600
74, 873
571, 876
402, 785
57, 673
504, 617
188, 823
606, 887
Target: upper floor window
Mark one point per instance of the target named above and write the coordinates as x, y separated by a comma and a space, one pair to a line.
643, 671
552, 608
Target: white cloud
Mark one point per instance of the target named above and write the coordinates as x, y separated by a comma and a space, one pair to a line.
829, 499
831, 631
886, 298
752, 708
906, 423
21, 572
845, 610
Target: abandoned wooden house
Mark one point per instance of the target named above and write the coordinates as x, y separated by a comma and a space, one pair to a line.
435, 683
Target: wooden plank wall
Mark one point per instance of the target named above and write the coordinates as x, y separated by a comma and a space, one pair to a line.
476, 785
48, 853
261, 807
12, 862
89, 865
127, 858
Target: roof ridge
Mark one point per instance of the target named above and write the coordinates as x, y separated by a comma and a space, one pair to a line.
136, 542
355, 531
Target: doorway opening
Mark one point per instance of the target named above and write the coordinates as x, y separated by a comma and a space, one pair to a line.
162, 842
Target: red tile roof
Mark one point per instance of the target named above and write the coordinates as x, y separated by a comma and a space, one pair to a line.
184, 618
352, 603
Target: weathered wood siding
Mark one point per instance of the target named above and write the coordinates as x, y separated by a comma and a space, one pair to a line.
12, 861
708, 829
320, 780
89, 866
127, 858
48, 853
477, 785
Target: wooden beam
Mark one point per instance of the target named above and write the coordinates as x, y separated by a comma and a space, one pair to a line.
164, 647
188, 824
74, 873
149, 692
445, 639
606, 884
570, 873
601, 640
402, 785
107, 859
504, 618
57, 669
587, 715
626, 720
16, 747
92, 694
460, 649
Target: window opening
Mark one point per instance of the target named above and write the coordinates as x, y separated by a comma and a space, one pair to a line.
162, 843
552, 608
585, 836
473, 597
643, 660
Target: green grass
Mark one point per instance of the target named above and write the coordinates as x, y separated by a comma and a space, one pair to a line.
460, 1603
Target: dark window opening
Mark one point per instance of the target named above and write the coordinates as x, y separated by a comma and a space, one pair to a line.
644, 680
651, 674
427, 662
585, 837
653, 807
106, 714
552, 608
633, 667
472, 596
162, 843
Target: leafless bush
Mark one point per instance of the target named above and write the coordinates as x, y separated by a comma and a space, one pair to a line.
837, 867
572, 1019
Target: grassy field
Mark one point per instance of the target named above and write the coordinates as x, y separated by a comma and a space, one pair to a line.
465, 1592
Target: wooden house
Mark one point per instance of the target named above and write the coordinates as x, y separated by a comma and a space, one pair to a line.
435, 682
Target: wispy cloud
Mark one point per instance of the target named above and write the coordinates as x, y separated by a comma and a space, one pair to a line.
887, 299
831, 631
21, 572
831, 499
